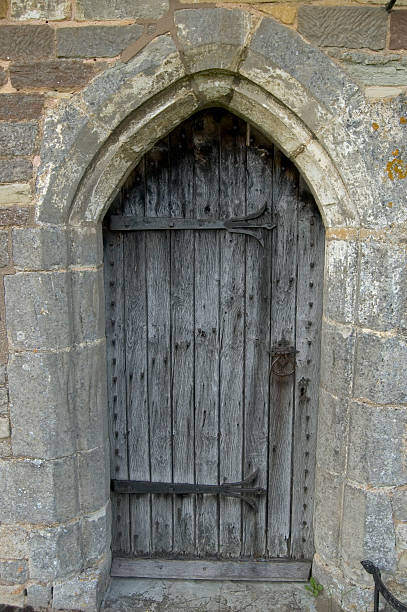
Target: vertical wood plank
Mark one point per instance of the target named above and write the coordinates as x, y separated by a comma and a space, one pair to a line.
308, 324
158, 275
116, 382
135, 308
182, 337
257, 321
232, 305
285, 189
206, 153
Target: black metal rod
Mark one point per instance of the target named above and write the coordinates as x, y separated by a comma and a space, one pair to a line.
390, 5
371, 568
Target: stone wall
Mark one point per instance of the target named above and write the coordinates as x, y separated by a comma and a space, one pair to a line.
85, 87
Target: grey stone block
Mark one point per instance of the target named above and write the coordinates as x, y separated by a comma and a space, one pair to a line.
399, 502
4, 427
327, 514
5, 448
40, 9
55, 553
126, 9
38, 491
384, 70
87, 395
39, 596
94, 479
96, 536
15, 171
96, 41
88, 305
59, 75
376, 446
201, 32
3, 248
340, 280
43, 420
337, 354
383, 286
332, 423
380, 369
3, 400
41, 319
344, 26
367, 532
17, 138
14, 541
39, 248
26, 42
12, 595
14, 572
86, 246
83, 592
276, 46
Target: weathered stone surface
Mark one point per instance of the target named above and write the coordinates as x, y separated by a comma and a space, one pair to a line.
376, 446
127, 9
385, 383
5, 448
14, 171
3, 401
3, 252
86, 246
345, 26
60, 75
53, 10
2, 381
96, 535
39, 248
39, 596
3, 77
55, 552
328, 503
15, 107
96, 41
88, 306
87, 395
121, 89
398, 30
14, 572
285, 13
12, 595
337, 349
17, 138
26, 42
15, 193
41, 320
401, 536
3, 8
374, 69
14, 542
332, 422
94, 479
399, 502
14, 216
203, 32
367, 532
383, 286
43, 424
340, 280
84, 592
4, 427
38, 491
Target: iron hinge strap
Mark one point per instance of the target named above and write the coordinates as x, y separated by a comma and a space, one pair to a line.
241, 490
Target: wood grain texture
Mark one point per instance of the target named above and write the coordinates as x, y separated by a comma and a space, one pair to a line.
271, 571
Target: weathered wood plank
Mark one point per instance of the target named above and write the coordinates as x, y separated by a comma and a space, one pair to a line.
182, 338
308, 329
259, 571
136, 354
206, 188
116, 382
285, 193
232, 304
257, 320
158, 273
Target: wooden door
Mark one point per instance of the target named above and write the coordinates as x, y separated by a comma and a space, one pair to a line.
213, 347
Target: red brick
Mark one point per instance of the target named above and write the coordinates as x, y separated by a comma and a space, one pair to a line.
19, 106
398, 30
26, 42
57, 74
